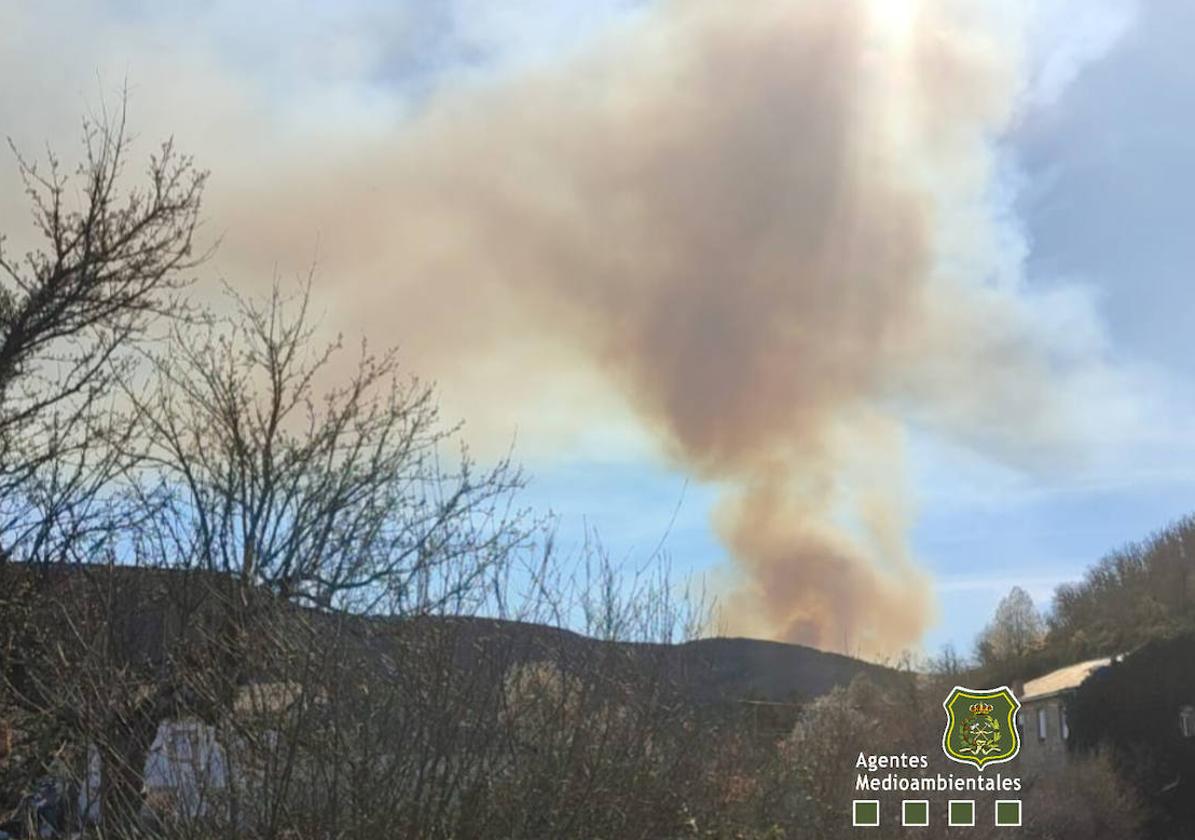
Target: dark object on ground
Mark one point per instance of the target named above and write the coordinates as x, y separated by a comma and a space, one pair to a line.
1142, 710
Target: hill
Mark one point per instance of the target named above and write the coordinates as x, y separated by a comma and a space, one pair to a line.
146, 608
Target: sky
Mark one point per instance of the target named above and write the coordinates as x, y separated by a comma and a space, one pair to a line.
865, 311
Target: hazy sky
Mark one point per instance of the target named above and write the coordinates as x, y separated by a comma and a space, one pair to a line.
886, 302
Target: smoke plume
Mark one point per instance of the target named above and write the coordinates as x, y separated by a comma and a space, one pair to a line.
773, 230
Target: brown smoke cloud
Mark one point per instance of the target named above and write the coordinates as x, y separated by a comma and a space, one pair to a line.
736, 216
763, 227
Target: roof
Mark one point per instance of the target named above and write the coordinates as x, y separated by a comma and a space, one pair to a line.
1064, 679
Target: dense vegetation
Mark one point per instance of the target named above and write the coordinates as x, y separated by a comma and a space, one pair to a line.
1131, 713
1141, 592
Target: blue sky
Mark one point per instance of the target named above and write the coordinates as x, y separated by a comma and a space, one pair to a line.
1060, 179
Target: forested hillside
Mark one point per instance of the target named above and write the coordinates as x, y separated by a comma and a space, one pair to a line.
1138, 593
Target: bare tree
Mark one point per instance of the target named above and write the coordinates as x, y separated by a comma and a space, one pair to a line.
328, 495
114, 260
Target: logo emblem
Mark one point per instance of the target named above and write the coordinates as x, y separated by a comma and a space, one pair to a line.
981, 726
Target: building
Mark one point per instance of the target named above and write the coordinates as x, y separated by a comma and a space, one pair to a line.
1044, 721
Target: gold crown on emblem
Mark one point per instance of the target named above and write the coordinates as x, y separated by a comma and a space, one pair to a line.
981, 708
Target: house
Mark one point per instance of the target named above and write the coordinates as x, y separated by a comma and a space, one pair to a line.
1044, 720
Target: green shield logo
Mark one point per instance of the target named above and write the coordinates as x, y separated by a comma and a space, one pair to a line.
981, 726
